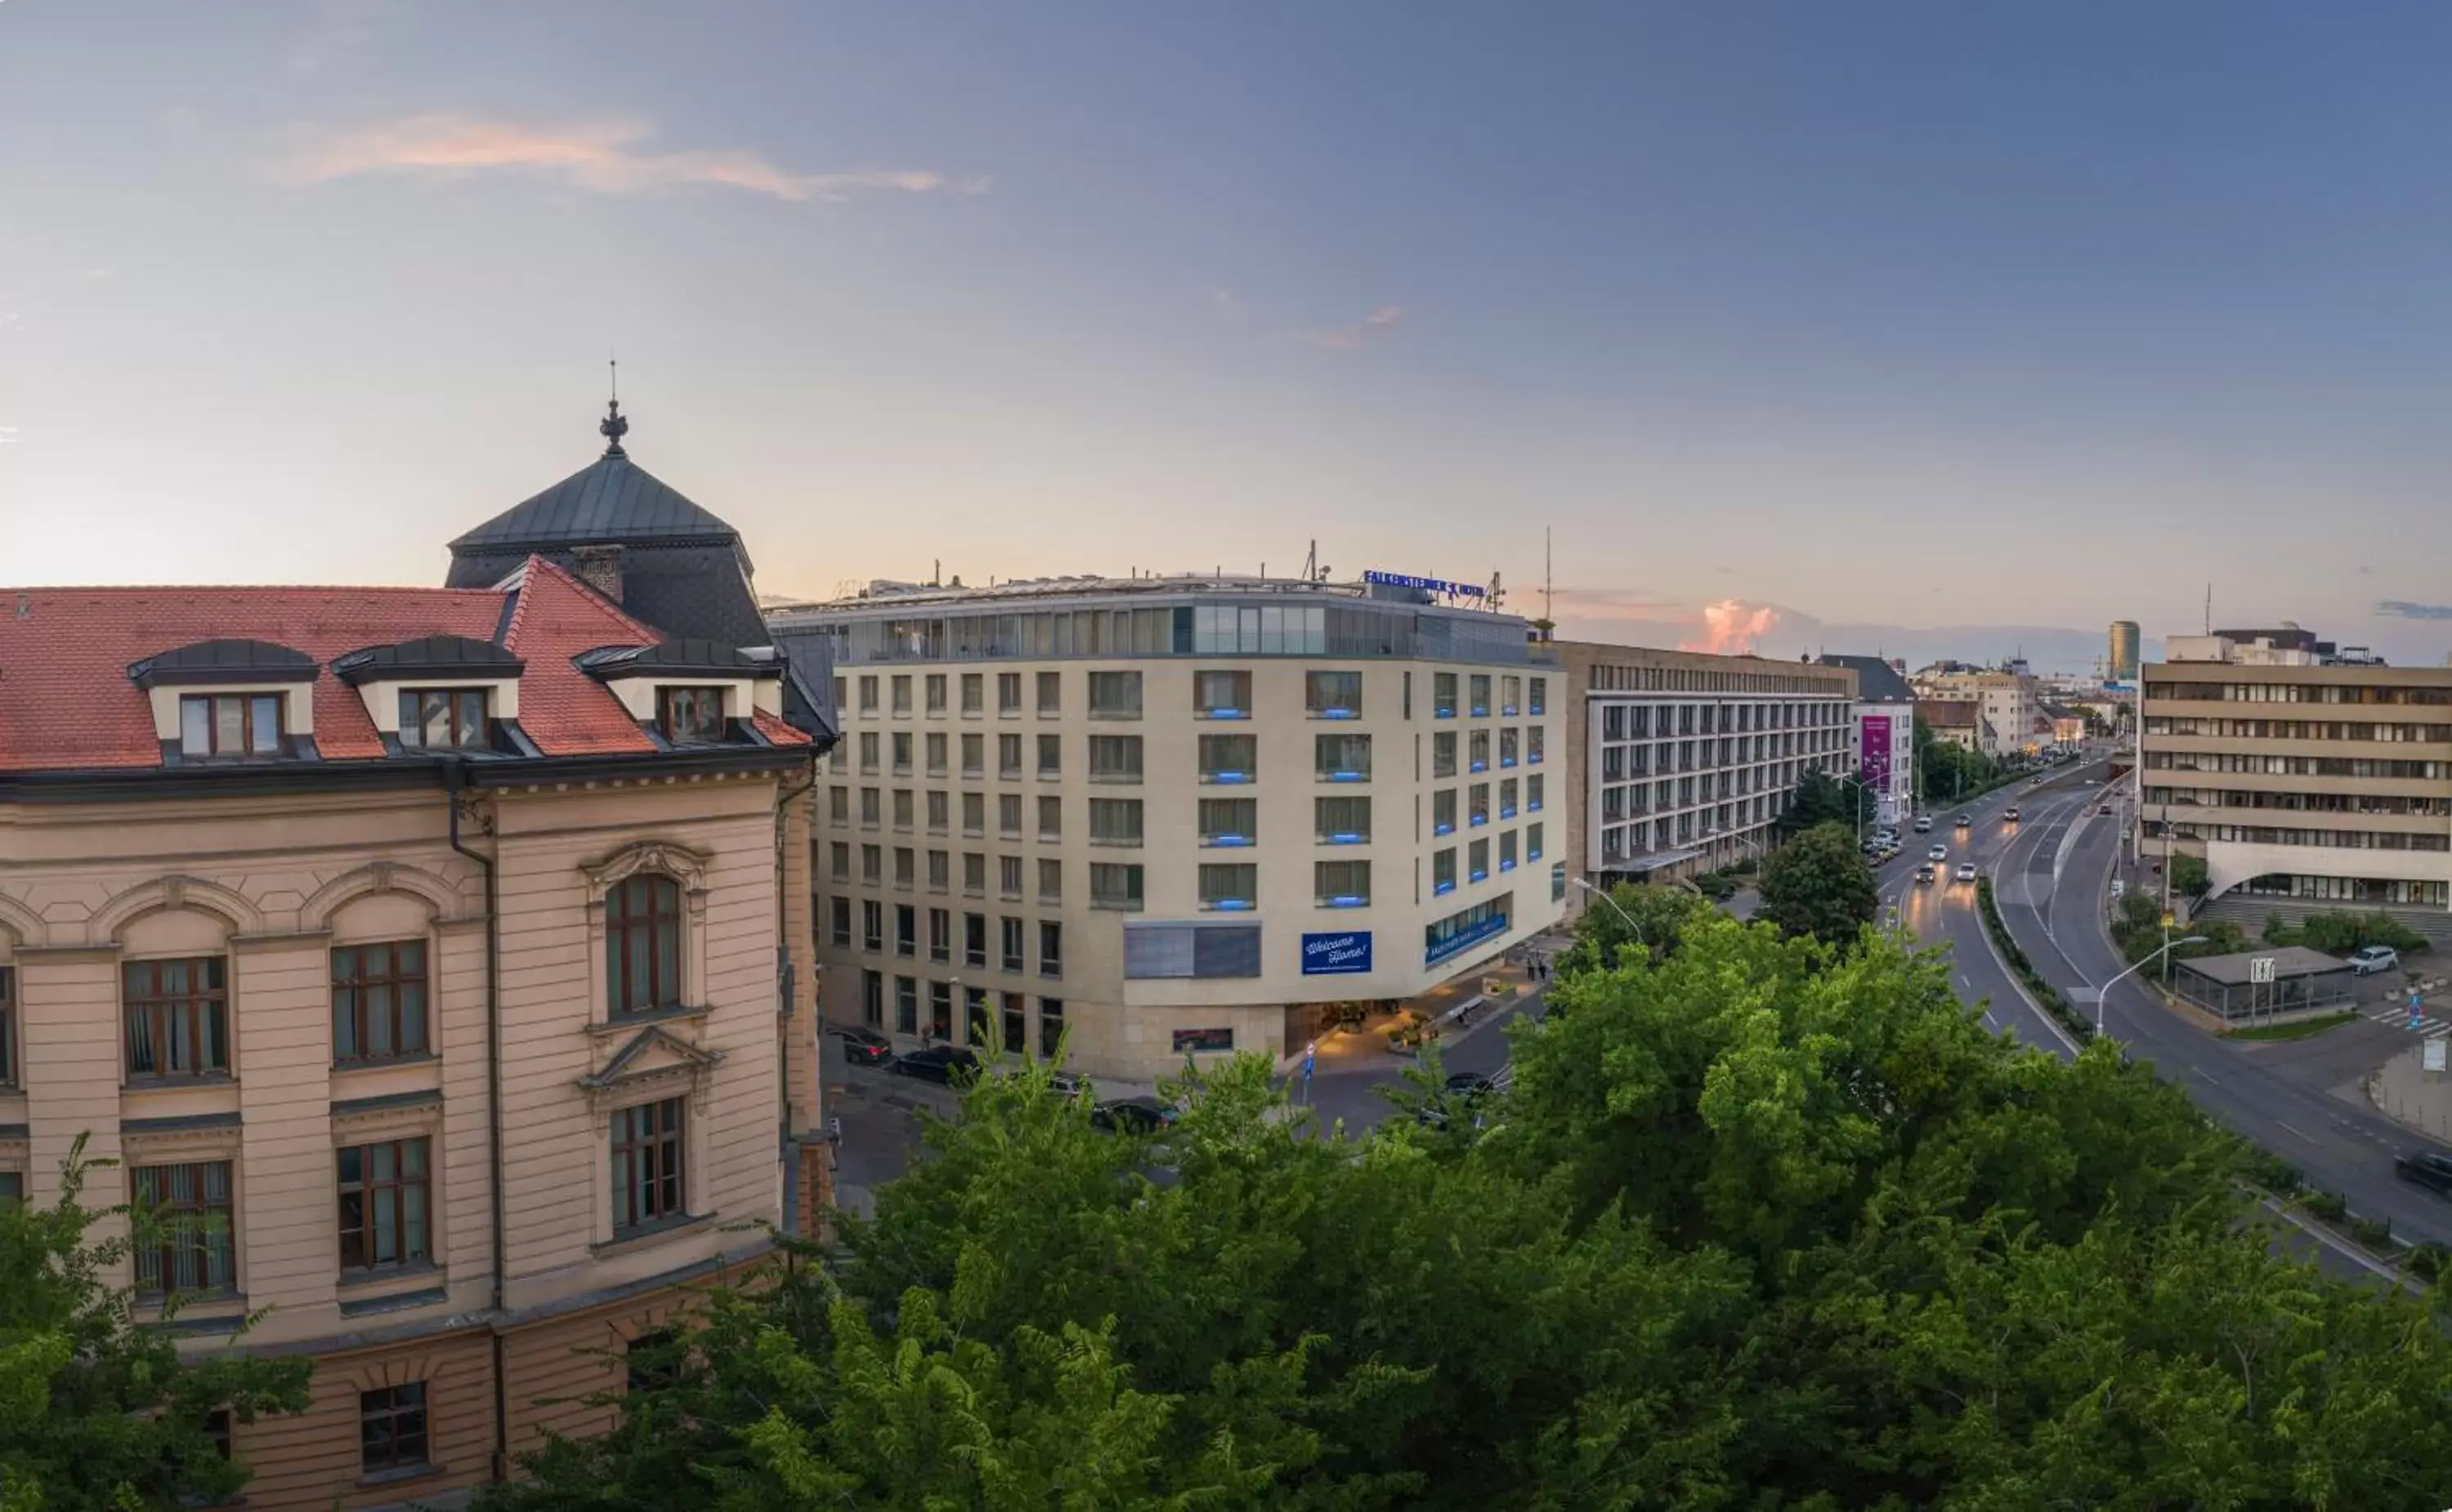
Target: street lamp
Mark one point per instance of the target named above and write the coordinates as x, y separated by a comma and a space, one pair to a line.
2162, 949
1615, 909
1858, 783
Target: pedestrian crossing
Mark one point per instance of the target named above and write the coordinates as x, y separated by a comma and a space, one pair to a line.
2427, 1023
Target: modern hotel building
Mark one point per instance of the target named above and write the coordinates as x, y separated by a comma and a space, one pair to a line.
1170, 816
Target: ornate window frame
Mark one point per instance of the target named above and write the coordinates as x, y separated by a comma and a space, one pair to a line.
687, 868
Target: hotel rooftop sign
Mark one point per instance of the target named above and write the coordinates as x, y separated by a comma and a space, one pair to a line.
1435, 585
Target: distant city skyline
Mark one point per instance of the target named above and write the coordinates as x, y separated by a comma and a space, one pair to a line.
1795, 323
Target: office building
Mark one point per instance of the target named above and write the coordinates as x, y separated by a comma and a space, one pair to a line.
2126, 642
1172, 816
1683, 762
2303, 783
2006, 704
1883, 734
415, 951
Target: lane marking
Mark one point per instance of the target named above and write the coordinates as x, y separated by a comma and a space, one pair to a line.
2279, 1124
2201, 1071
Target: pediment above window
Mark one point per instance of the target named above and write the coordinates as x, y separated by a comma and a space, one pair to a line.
664, 858
652, 1063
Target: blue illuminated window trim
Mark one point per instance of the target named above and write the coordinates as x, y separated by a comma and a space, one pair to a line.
1481, 711
1442, 828
1226, 839
1507, 711
1507, 811
1225, 714
1481, 877
1345, 777
1227, 778
1532, 806
1447, 713
1478, 766
1441, 889
1345, 900
1336, 714
1229, 905
1532, 853
1506, 761
1507, 866
1345, 837
1478, 821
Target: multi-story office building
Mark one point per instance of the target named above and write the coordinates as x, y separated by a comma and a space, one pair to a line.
2006, 704
1170, 816
1682, 762
414, 953
2126, 640
1883, 734
2300, 782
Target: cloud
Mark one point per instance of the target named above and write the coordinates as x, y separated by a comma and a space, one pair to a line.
8, 435
1732, 628
1378, 322
603, 157
2404, 609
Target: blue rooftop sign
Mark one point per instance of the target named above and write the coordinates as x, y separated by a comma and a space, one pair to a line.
1436, 585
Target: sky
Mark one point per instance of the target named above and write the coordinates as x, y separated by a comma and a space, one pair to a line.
1958, 326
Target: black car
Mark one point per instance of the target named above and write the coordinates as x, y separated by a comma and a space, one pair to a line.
862, 1047
2427, 1169
1131, 1115
1467, 1084
949, 1064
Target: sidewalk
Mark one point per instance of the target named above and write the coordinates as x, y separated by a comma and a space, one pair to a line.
1367, 1047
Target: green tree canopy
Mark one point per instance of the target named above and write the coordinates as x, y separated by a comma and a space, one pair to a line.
1822, 798
1819, 884
97, 1411
1614, 922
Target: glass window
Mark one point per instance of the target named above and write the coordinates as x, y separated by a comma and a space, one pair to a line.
1114, 885
974, 872
902, 753
178, 1017
906, 1006
974, 755
391, 1428
1051, 819
868, 695
1479, 853
1009, 756
1533, 743
939, 804
643, 944
229, 724
1050, 881
839, 804
906, 930
975, 940
1341, 884
1480, 682
935, 747
690, 716
1221, 695
1443, 695
1343, 820
936, 693
940, 1010
443, 718
1051, 1029
1116, 757
872, 864
1229, 821
1050, 755
1540, 700
1115, 821
1051, 694
9, 1026
193, 1238
1343, 757
647, 1165
1506, 746
902, 692
1009, 932
872, 999
1009, 693
974, 693
1506, 850
382, 1194
940, 935
902, 808
378, 1001
839, 859
1051, 948
1333, 695
1114, 696
1532, 842
1016, 1038
1009, 876
1532, 793
1443, 871
872, 925
1509, 694
1443, 754
1228, 757
1443, 811
838, 922
1233, 885
1477, 750
868, 751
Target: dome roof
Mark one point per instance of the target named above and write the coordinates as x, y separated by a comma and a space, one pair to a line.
613, 501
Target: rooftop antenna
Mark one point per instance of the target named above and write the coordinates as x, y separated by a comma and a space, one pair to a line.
1546, 582
1497, 593
614, 427
1311, 562
2209, 608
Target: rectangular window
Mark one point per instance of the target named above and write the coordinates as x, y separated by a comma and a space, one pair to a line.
690, 716
940, 935
1343, 757
1009, 876
1506, 850
1443, 812
1480, 694
1009, 693
647, 1165
902, 748
1508, 695
941, 871
868, 695
378, 1001
1477, 866
229, 724
976, 1028
1443, 695
444, 719
902, 808
1051, 694
1507, 799
383, 1192
902, 692
1443, 871
1221, 695
1232, 885
1532, 793
1341, 884
940, 1010
872, 808
1506, 746
1051, 1028
838, 860
1462, 931
1050, 820
1532, 842
872, 999
1009, 933
872, 926
1009, 756
869, 753
939, 804
1017, 1025
1115, 821
974, 693
906, 930
974, 811
1443, 754
178, 1017
975, 940
1051, 756
906, 1006
1229, 757
936, 693
1229, 821
934, 748
1333, 695
1478, 757
391, 1428
872, 864
1114, 696
839, 804
1540, 701
193, 1238
1115, 886
1051, 948
973, 755
8, 1073
1050, 881
975, 873
1114, 759
1533, 743
1342, 820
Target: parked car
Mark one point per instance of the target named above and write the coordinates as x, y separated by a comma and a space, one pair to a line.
948, 1064
1131, 1115
2427, 1169
1067, 1084
862, 1047
1938, 853
2010, 814
2369, 959
1924, 823
1924, 871
1967, 870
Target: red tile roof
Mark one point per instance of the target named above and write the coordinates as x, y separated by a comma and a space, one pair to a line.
67, 701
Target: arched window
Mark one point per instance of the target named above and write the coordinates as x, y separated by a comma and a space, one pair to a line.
642, 945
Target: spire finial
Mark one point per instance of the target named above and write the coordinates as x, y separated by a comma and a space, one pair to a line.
614, 427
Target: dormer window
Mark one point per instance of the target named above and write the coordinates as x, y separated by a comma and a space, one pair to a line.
690, 716
229, 724
444, 720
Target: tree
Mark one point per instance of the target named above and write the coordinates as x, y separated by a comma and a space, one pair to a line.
2188, 876
1819, 884
1610, 923
1822, 798
96, 1410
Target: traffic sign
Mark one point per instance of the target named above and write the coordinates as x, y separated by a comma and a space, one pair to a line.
2260, 968
2433, 1056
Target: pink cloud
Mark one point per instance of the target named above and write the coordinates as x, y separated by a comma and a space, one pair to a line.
600, 156
1377, 322
1732, 628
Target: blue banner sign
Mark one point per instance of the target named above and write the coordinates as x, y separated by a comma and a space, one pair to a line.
1345, 954
1436, 585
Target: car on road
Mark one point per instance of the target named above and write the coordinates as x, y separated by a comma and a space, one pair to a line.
1963, 822
2105, 808
1067, 1084
1924, 872
2010, 814
2427, 1169
2369, 959
1937, 853
1131, 1115
950, 1065
1924, 823
1967, 870
862, 1047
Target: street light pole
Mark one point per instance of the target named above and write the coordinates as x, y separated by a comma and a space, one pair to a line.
2164, 949
1615, 909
